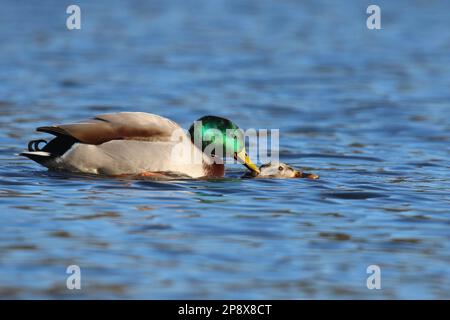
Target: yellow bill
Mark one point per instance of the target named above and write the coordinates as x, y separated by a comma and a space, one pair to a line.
243, 157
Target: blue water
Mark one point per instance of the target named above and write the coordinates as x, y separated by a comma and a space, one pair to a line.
367, 110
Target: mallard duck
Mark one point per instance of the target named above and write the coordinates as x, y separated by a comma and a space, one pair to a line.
280, 170
138, 143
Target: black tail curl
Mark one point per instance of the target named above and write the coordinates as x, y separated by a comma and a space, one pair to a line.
33, 145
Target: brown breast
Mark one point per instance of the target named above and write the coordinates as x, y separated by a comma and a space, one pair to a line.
214, 170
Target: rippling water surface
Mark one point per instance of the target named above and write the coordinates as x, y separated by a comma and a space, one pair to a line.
366, 110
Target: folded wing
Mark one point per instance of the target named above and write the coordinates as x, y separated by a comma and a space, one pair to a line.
116, 126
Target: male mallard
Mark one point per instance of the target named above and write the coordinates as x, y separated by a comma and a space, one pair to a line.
140, 143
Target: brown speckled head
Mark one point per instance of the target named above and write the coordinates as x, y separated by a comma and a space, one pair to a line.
279, 170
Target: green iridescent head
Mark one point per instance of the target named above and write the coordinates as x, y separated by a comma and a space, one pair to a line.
218, 136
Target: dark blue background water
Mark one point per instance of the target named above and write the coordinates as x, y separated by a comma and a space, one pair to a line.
367, 110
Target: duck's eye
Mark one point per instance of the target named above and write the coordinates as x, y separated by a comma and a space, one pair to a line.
280, 168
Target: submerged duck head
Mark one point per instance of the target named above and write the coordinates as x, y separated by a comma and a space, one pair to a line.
282, 171
219, 137
279, 170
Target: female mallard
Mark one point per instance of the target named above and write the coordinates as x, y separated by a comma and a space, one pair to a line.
279, 170
141, 143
